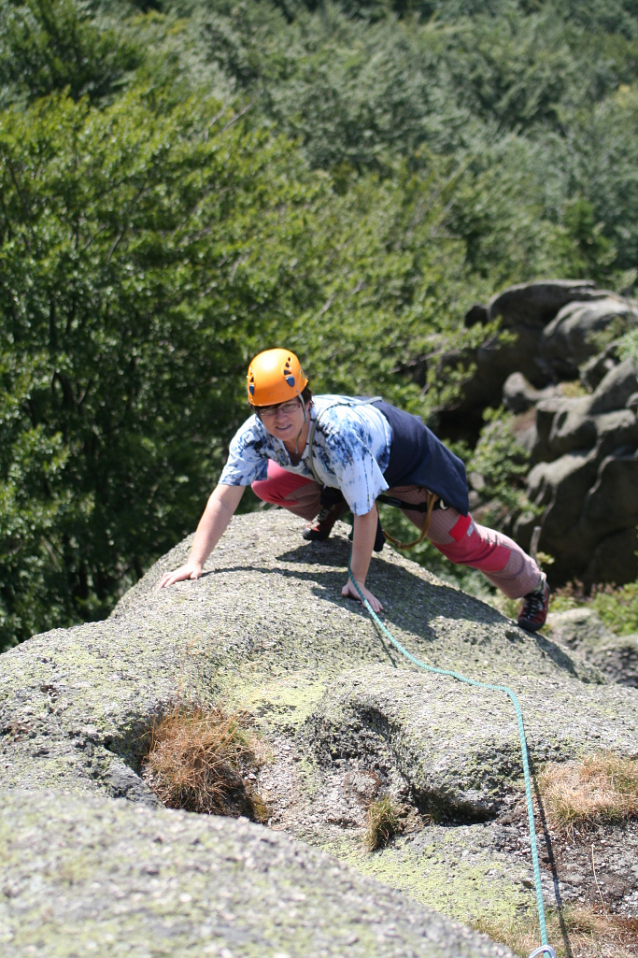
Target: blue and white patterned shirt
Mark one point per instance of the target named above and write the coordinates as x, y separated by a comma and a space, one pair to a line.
351, 451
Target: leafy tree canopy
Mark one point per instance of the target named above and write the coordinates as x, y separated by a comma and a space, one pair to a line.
185, 182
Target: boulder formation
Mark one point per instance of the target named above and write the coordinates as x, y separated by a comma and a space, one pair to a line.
524, 312
616, 656
586, 478
84, 875
576, 400
346, 720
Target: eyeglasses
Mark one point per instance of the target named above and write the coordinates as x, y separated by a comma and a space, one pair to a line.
270, 412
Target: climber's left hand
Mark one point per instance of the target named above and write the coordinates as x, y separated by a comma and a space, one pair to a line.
349, 592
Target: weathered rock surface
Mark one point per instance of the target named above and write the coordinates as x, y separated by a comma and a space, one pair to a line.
81, 876
580, 628
582, 330
346, 718
618, 660
559, 371
524, 311
519, 395
587, 481
616, 656
536, 304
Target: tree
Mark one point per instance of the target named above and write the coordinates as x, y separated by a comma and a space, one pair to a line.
142, 253
54, 45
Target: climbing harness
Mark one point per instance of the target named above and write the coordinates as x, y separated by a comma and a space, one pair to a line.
545, 948
428, 506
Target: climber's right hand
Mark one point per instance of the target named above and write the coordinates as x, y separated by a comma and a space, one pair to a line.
190, 570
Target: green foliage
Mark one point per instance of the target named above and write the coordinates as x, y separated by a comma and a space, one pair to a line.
533, 96
628, 345
514, 68
184, 182
589, 252
143, 255
395, 275
54, 45
607, 141
502, 465
617, 607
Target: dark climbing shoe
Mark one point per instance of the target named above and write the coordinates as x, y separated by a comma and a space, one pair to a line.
321, 527
535, 605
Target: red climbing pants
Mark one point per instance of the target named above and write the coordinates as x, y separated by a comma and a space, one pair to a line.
458, 537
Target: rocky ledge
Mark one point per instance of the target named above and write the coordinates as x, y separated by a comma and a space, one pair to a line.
566, 372
345, 719
86, 875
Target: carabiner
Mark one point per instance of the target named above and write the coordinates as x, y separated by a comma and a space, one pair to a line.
543, 950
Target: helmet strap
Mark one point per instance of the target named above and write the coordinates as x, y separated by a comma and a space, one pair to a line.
305, 420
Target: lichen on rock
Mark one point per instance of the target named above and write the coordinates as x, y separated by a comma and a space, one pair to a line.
81, 876
345, 717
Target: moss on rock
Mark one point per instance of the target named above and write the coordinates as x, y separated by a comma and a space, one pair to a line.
265, 629
85, 875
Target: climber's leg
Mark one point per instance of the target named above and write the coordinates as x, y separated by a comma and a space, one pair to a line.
290, 491
462, 541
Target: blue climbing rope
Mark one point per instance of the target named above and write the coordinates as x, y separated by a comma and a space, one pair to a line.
545, 947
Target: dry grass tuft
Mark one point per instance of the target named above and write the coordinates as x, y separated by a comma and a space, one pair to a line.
601, 788
197, 761
383, 822
589, 933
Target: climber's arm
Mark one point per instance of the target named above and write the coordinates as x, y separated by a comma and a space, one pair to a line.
365, 530
217, 514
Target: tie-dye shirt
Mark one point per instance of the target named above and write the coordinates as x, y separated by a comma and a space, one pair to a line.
351, 451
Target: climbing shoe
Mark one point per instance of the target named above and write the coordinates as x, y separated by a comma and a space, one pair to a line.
321, 527
535, 605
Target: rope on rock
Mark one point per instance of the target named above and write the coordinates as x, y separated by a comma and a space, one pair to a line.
545, 948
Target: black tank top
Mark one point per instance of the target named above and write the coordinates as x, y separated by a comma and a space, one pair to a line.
418, 457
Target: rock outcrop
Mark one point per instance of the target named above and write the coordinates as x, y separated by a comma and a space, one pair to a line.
575, 335
524, 312
587, 481
346, 719
82, 876
559, 371
616, 656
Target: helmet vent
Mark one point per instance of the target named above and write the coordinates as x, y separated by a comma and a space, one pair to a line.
288, 373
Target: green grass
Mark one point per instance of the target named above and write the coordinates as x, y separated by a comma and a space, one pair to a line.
616, 606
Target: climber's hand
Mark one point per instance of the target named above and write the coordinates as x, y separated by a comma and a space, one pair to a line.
349, 592
190, 570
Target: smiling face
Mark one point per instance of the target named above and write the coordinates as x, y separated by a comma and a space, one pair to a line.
284, 421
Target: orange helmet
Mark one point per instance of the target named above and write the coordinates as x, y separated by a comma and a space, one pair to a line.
275, 376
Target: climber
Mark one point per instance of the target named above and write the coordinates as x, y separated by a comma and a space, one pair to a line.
321, 456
